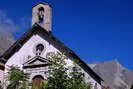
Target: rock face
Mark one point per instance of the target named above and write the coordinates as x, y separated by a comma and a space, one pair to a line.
6, 39
114, 75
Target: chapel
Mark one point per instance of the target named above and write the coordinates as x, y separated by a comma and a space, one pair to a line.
31, 50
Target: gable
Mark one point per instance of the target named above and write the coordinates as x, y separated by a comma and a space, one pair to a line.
27, 52
31, 37
37, 61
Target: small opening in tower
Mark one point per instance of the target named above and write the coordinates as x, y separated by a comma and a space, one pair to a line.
41, 15
41, 9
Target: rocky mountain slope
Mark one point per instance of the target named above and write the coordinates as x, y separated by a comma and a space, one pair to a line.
6, 39
114, 74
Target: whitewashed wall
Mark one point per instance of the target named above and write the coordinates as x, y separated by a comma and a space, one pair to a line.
21, 56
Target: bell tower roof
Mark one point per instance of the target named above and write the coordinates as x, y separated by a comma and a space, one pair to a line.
44, 3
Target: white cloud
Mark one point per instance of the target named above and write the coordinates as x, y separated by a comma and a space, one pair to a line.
8, 25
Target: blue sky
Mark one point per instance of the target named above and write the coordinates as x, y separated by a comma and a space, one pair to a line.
97, 30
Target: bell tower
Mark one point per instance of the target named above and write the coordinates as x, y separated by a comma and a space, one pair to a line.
41, 14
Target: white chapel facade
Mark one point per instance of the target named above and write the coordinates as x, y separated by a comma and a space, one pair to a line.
31, 50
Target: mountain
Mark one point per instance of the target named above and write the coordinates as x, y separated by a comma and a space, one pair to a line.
6, 39
114, 74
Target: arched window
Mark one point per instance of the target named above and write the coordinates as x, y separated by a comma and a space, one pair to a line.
41, 14
39, 49
95, 87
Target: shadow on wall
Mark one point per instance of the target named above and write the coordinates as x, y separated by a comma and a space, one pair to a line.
131, 87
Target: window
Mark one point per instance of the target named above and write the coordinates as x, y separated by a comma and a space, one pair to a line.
41, 14
39, 49
95, 87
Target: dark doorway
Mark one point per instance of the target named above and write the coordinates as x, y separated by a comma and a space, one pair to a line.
37, 81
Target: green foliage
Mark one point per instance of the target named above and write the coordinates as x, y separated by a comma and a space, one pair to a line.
17, 78
62, 77
58, 77
77, 79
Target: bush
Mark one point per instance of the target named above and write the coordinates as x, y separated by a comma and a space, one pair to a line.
17, 78
60, 77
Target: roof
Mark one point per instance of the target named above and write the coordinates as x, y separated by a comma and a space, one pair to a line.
44, 3
36, 28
